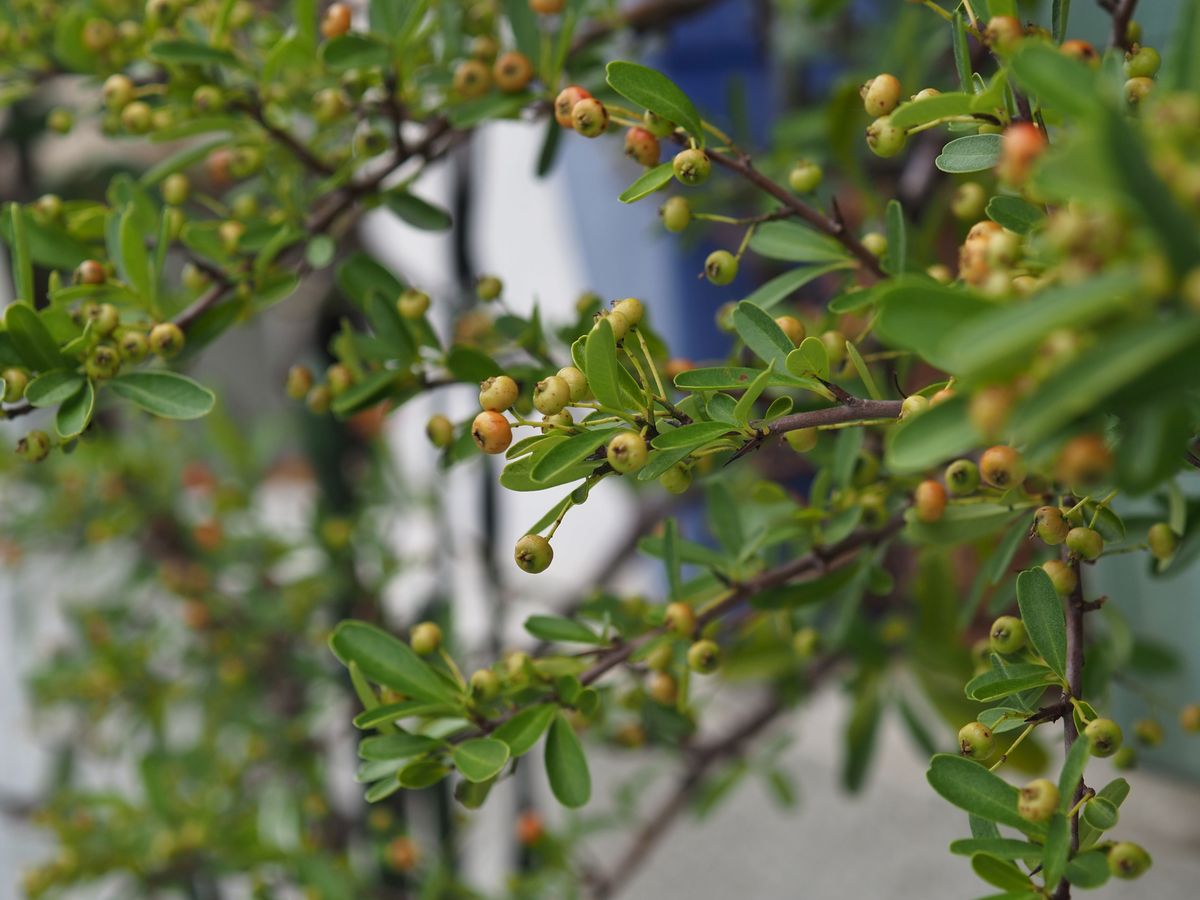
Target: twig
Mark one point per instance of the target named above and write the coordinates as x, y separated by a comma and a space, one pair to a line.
1122, 14
1075, 612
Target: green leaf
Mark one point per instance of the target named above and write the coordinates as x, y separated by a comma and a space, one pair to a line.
190, 53
567, 454
388, 713
390, 662
134, 262
760, 333
53, 387
864, 371
916, 314
1057, 850
560, 630
600, 361
360, 274
783, 286
524, 25
861, 733
566, 765
1181, 62
971, 787
471, 365
735, 378
1004, 875
929, 109
648, 182
417, 212
962, 51
1099, 813
366, 392
960, 524
1014, 213
790, 242
1151, 436
76, 411
1060, 14
938, 434
1042, 613
400, 745
657, 93
422, 774
972, 153
389, 327
897, 238
166, 394
22, 262
31, 339
691, 437
1088, 870
1060, 82
744, 407
1000, 848
480, 759
995, 684
524, 729
1115, 793
354, 51
810, 358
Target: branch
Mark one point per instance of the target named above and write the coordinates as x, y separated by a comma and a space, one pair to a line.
287, 139
1122, 14
1075, 612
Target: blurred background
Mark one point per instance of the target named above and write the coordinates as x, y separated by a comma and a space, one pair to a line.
167, 704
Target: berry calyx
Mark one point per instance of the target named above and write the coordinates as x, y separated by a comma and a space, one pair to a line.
677, 479
680, 618
1086, 543
533, 554
642, 147
1007, 635
551, 395
1050, 525
412, 304
498, 393
1002, 467
512, 72
704, 657
1128, 860
485, 685
576, 381
885, 139
975, 741
805, 177
1038, 800
491, 432
564, 104
166, 339
721, 267
472, 79
589, 117
962, 477
1104, 737
1062, 576
676, 214
34, 447
1162, 540
793, 328
929, 500
426, 638
691, 166
102, 363
802, 439
881, 95
627, 452
336, 21
440, 431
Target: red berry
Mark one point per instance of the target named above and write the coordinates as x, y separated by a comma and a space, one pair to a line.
564, 104
642, 146
336, 21
1002, 467
1022, 144
491, 432
513, 71
929, 500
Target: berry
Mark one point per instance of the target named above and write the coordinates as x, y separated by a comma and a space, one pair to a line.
558, 421
969, 201
319, 399
975, 740
805, 177
485, 685
208, 98
692, 166
1142, 63
15, 382
642, 146
632, 309
627, 452
551, 395
617, 322
1148, 732
1085, 543
962, 477
802, 439
48, 208
336, 21
533, 554
1189, 718
530, 829
34, 447
498, 393
175, 189
1003, 33
589, 117
118, 92
491, 432
662, 688
885, 139
721, 267
340, 378
412, 304
230, 234
657, 125
1084, 461
1050, 524
1104, 736
576, 382
1162, 541
989, 410
1022, 144
793, 328
133, 346
1038, 800
104, 318
1081, 50
680, 619
1138, 89
806, 642
1124, 759
166, 339
425, 638
929, 500
875, 243
704, 657
60, 121
547, 7
472, 79
1128, 860
440, 431
677, 214
564, 104
90, 272
299, 382
677, 479
881, 95
1007, 635
913, 405
1062, 576
489, 288
1002, 467
102, 363
513, 71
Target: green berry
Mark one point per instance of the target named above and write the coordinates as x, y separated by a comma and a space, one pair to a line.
806, 642
962, 477
1142, 63
1050, 524
692, 166
589, 117
914, 404
1062, 576
975, 740
662, 688
208, 98
676, 214
881, 95
704, 657
15, 382
802, 439
1124, 759
60, 121
805, 177
175, 189
533, 554
721, 267
498, 393
1038, 800
1007, 635
166, 339
299, 382
1127, 860
656, 125
1149, 732
551, 395
426, 638
1086, 543
102, 363
627, 452
884, 138
1104, 737
632, 309
118, 92
489, 288
676, 479
440, 431
34, 447
970, 200
104, 318
1189, 718
485, 685
133, 346
1162, 540
875, 242
319, 399
680, 618
340, 379
558, 421
413, 304
1138, 89
576, 381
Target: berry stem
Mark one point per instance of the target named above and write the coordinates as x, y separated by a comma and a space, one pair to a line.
1013, 746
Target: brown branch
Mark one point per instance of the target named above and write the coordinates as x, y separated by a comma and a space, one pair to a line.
1075, 611
1122, 14
855, 409
286, 138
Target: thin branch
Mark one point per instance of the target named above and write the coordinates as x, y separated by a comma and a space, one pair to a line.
1122, 15
1075, 612
287, 139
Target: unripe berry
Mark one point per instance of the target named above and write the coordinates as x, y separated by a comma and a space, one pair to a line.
929, 500
793, 328
547, 7
576, 382
1002, 467
677, 479
48, 208
989, 410
513, 71
875, 243
491, 432
805, 177
412, 304
471, 79
558, 421
319, 399
1142, 63
489, 288
208, 98
704, 657
806, 642
1084, 461
104, 318
166, 339
657, 125
60, 121
564, 104
680, 619
340, 378
551, 395
34, 447
626, 452
632, 309
1062, 576
881, 95
1081, 50
133, 346
440, 431
1128, 860
642, 147
589, 117
230, 234
975, 741
1148, 732
1086, 543
1050, 524
329, 105
533, 554
1038, 800
485, 685
530, 829
90, 272
1003, 33
970, 200
721, 267
426, 638
336, 21
692, 166
677, 214
962, 477
1124, 759
1162, 540
1007, 635
913, 405
175, 189
299, 382
118, 92
1104, 737
662, 688
498, 393
1022, 144
245, 206
1138, 89
1189, 718
617, 322
15, 382
945, 393
802, 439
884, 138
102, 363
